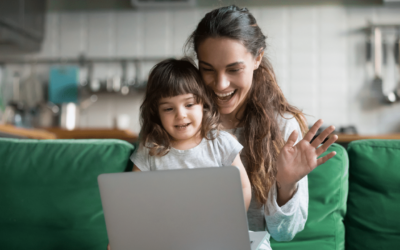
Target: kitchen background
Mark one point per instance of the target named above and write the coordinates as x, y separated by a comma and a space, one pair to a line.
319, 52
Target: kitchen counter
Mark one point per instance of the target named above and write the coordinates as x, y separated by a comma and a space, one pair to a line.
93, 133
345, 139
11, 131
17, 132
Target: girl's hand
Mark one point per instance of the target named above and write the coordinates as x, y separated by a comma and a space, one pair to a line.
296, 161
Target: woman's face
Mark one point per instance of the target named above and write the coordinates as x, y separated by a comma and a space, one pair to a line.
227, 67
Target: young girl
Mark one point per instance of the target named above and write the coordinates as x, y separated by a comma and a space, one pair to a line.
180, 125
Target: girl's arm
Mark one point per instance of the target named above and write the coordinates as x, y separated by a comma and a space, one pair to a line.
246, 187
136, 169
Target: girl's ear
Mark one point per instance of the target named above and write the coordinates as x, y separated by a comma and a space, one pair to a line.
258, 59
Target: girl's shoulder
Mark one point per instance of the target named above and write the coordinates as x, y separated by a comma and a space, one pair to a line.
220, 138
222, 135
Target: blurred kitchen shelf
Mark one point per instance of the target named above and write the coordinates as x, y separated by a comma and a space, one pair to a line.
93, 133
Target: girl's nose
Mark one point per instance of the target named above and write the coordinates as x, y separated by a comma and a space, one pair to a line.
221, 82
181, 113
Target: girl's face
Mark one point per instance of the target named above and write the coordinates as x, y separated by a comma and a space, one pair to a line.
181, 117
227, 67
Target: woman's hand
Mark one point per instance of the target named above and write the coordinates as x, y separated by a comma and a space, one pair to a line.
296, 161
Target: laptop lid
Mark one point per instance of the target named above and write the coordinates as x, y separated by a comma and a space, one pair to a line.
175, 209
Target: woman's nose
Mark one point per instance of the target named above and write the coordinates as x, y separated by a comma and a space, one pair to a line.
221, 82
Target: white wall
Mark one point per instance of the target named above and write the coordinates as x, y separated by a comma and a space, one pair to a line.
318, 54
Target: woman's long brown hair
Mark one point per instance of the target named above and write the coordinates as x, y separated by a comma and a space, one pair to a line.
262, 135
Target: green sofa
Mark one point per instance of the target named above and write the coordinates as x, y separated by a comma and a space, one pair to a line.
50, 200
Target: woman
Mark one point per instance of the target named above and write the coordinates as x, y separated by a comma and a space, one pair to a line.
230, 49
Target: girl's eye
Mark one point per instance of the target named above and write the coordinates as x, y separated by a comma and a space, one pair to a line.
189, 105
167, 109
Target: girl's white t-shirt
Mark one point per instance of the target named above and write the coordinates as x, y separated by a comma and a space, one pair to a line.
209, 153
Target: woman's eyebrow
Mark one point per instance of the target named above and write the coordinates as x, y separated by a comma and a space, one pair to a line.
234, 64
227, 66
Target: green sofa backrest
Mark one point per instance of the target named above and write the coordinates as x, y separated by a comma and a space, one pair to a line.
328, 189
373, 207
49, 194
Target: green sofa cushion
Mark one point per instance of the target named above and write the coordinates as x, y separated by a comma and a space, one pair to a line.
328, 188
49, 193
373, 217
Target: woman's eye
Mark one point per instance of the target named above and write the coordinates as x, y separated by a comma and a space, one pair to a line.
204, 69
234, 70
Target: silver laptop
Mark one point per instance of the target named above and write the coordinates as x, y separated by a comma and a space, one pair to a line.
176, 209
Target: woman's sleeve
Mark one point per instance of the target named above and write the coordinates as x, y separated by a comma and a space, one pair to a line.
283, 223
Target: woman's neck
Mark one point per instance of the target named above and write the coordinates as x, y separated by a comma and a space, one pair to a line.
231, 120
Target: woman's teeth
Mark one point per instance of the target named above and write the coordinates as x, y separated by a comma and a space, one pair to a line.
225, 96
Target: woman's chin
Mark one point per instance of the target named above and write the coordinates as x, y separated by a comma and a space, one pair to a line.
226, 110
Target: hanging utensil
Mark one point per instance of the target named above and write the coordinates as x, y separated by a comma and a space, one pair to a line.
70, 112
377, 84
397, 60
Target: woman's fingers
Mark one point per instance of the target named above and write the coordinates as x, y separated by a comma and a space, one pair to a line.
320, 138
322, 160
326, 145
292, 139
313, 130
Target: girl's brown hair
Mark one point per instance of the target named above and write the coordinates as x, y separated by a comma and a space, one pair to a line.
262, 135
170, 78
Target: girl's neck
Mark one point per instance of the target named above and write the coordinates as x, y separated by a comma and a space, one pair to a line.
188, 143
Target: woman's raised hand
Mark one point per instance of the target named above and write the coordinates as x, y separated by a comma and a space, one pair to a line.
296, 161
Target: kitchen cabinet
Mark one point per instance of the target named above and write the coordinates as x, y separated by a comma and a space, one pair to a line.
22, 25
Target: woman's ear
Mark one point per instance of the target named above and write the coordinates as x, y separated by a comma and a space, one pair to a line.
258, 59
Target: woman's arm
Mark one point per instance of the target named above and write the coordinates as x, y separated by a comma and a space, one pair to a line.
246, 187
286, 210
286, 214
296, 160
284, 222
